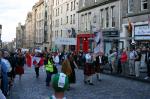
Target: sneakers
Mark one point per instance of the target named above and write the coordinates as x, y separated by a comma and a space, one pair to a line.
146, 78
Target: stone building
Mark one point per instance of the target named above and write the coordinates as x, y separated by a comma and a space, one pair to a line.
29, 31
64, 21
103, 16
49, 22
136, 12
20, 36
39, 25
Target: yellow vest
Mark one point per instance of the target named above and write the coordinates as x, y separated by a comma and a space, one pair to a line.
49, 67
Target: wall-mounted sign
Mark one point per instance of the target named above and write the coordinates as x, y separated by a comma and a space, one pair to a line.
65, 41
111, 33
142, 37
142, 30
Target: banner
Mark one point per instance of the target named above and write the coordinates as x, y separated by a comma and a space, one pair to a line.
99, 42
66, 41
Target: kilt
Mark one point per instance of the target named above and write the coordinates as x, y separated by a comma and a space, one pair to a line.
19, 70
89, 69
98, 68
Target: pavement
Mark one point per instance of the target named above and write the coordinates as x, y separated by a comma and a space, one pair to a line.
111, 87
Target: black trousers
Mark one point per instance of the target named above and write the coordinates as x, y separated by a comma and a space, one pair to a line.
37, 71
148, 69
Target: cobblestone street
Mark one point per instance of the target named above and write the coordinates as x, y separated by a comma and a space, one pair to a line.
109, 88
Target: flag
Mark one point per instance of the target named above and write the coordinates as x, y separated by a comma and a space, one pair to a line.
129, 27
99, 42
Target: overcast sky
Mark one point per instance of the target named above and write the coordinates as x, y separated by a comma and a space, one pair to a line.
11, 13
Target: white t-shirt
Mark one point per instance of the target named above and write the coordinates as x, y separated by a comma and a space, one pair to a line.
56, 59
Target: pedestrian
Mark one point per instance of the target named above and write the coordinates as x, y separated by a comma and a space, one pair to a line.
112, 59
28, 59
124, 59
89, 68
99, 63
49, 67
147, 60
66, 69
4, 76
60, 84
119, 65
132, 57
20, 61
1, 94
137, 62
73, 66
38, 61
13, 65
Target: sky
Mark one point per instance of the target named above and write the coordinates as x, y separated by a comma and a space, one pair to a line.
11, 13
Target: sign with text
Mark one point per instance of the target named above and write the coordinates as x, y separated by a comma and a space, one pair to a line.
142, 37
66, 41
142, 30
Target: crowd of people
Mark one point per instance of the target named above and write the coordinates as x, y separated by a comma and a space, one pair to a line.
12, 64
130, 62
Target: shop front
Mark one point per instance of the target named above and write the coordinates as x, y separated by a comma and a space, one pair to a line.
84, 42
111, 40
142, 35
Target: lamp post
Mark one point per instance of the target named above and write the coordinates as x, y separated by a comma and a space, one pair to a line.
0, 36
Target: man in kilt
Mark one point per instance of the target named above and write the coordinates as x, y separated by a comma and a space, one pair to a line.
89, 68
99, 63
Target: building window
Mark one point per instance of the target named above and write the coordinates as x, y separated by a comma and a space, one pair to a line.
144, 5
58, 22
61, 21
102, 19
73, 18
61, 33
86, 21
71, 6
107, 17
61, 9
89, 21
57, 33
130, 6
94, 19
70, 19
83, 3
58, 11
74, 4
112, 16
82, 22
67, 19
68, 7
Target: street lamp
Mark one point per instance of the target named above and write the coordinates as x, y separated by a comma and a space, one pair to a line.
0, 36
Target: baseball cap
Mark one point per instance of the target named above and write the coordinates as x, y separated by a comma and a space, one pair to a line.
60, 82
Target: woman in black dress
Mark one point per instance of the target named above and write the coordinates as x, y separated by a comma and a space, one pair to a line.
20, 61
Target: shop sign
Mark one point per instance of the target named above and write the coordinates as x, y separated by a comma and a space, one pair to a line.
142, 37
110, 33
65, 41
142, 30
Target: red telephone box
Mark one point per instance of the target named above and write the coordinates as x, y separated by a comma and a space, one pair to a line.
83, 42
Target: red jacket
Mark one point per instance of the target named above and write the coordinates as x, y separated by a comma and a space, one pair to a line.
124, 57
